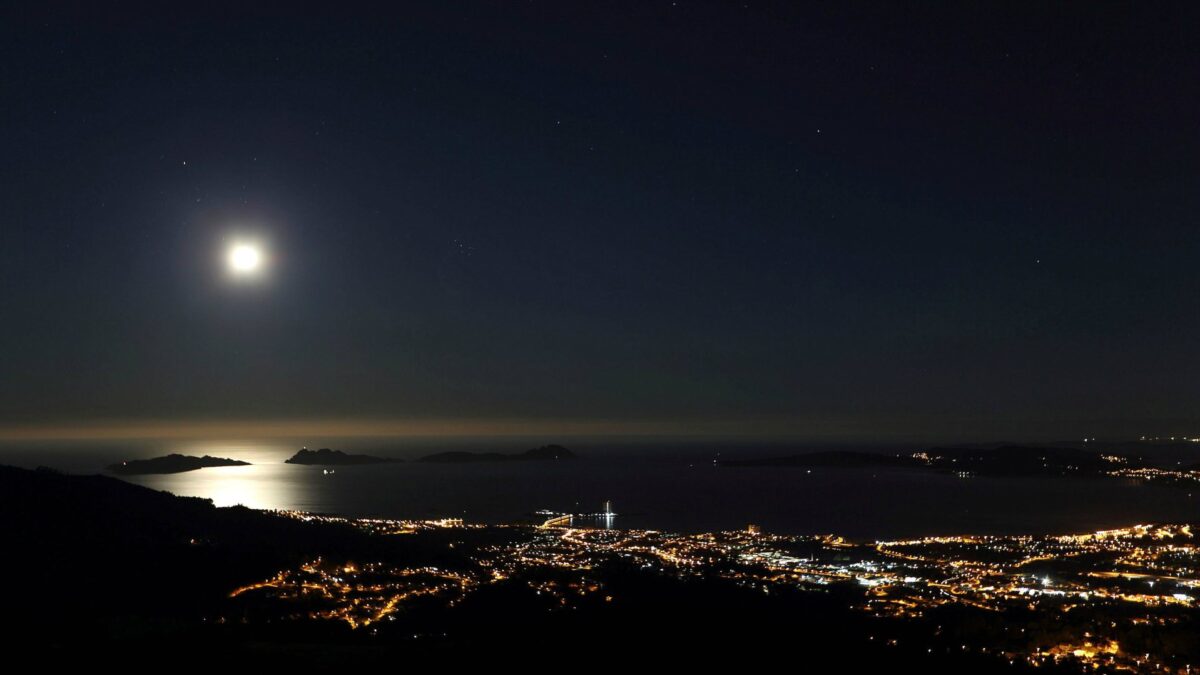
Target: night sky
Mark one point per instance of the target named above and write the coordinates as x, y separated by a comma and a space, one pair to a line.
700, 218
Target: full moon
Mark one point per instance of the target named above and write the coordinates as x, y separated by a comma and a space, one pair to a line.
244, 259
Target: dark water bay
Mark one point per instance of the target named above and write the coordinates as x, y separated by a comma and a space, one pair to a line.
669, 488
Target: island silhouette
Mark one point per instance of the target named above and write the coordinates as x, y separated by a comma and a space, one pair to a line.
328, 457
173, 463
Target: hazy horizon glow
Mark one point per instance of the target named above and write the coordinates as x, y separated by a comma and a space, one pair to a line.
309, 431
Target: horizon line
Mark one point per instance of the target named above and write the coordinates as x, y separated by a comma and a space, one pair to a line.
794, 428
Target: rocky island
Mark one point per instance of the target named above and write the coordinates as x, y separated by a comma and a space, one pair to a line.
545, 452
327, 457
173, 463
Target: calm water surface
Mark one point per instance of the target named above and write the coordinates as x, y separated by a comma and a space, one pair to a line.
679, 489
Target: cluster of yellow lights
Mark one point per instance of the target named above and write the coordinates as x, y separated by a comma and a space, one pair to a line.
1155, 567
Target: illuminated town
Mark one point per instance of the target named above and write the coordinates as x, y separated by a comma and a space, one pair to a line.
1106, 601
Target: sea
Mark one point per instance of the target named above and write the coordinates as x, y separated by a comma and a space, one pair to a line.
669, 486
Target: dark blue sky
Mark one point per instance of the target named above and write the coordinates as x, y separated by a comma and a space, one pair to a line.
850, 219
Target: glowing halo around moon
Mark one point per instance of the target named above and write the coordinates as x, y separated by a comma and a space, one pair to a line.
245, 259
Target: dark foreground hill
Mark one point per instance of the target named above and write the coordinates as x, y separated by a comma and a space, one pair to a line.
97, 558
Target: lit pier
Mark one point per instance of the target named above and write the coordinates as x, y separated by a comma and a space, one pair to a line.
605, 517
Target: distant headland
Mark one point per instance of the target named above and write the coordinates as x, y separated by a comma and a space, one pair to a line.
1007, 460
173, 463
327, 457
546, 452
